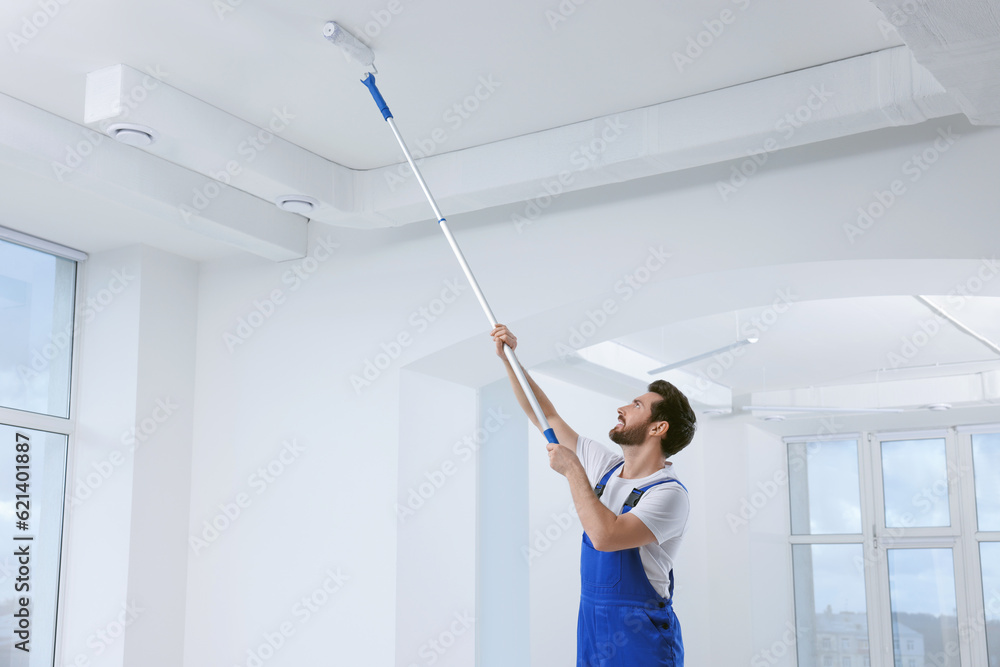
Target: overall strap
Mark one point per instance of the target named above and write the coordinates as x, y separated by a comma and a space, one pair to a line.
599, 489
633, 498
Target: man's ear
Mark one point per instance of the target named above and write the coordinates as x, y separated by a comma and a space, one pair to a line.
661, 428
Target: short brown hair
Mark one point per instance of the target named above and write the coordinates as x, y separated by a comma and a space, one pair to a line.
673, 408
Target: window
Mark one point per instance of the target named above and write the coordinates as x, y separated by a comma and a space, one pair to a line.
823, 504
916, 542
827, 547
915, 483
990, 559
986, 471
32, 483
918, 517
986, 465
922, 586
38, 294
845, 661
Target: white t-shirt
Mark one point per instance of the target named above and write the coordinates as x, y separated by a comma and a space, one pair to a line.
663, 508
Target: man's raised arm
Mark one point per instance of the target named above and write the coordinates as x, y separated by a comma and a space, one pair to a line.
567, 437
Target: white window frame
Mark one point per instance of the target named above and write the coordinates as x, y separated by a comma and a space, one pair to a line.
962, 536
831, 538
58, 425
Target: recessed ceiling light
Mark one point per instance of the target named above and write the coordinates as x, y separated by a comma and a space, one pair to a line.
300, 204
132, 134
716, 411
938, 407
773, 418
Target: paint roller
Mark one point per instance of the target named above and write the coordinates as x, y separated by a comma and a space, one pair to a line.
352, 47
357, 51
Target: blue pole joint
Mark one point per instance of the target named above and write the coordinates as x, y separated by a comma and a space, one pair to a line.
550, 435
369, 81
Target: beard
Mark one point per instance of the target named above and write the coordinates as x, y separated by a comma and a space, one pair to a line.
629, 435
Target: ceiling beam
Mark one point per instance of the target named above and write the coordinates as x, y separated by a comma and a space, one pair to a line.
219, 175
958, 41
970, 389
748, 121
869, 92
55, 149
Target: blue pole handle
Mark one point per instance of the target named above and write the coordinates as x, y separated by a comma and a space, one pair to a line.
550, 435
377, 96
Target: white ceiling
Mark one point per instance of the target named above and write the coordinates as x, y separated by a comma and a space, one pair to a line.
831, 342
253, 57
248, 59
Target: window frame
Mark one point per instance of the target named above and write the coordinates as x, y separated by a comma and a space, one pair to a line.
52, 424
963, 536
830, 538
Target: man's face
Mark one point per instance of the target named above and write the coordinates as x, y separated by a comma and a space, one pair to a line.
634, 420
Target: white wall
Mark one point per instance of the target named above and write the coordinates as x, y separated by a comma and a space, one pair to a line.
767, 524
164, 407
435, 611
95, 577
503, 591
333, 508
129, 476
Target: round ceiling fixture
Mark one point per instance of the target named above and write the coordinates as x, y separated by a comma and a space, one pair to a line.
774, 418
300, 204
939, 407
132, 134
716, 411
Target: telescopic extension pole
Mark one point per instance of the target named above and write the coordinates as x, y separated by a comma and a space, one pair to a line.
550, 435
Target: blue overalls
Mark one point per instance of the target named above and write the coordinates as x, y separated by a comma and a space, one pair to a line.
623, 620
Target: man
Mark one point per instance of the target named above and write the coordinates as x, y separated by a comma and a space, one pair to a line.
629, 547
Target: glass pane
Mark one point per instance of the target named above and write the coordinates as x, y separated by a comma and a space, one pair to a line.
37, 291
830, 617
915, 483
30, 525
924, 612
986, 463
823, 487
989, 556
